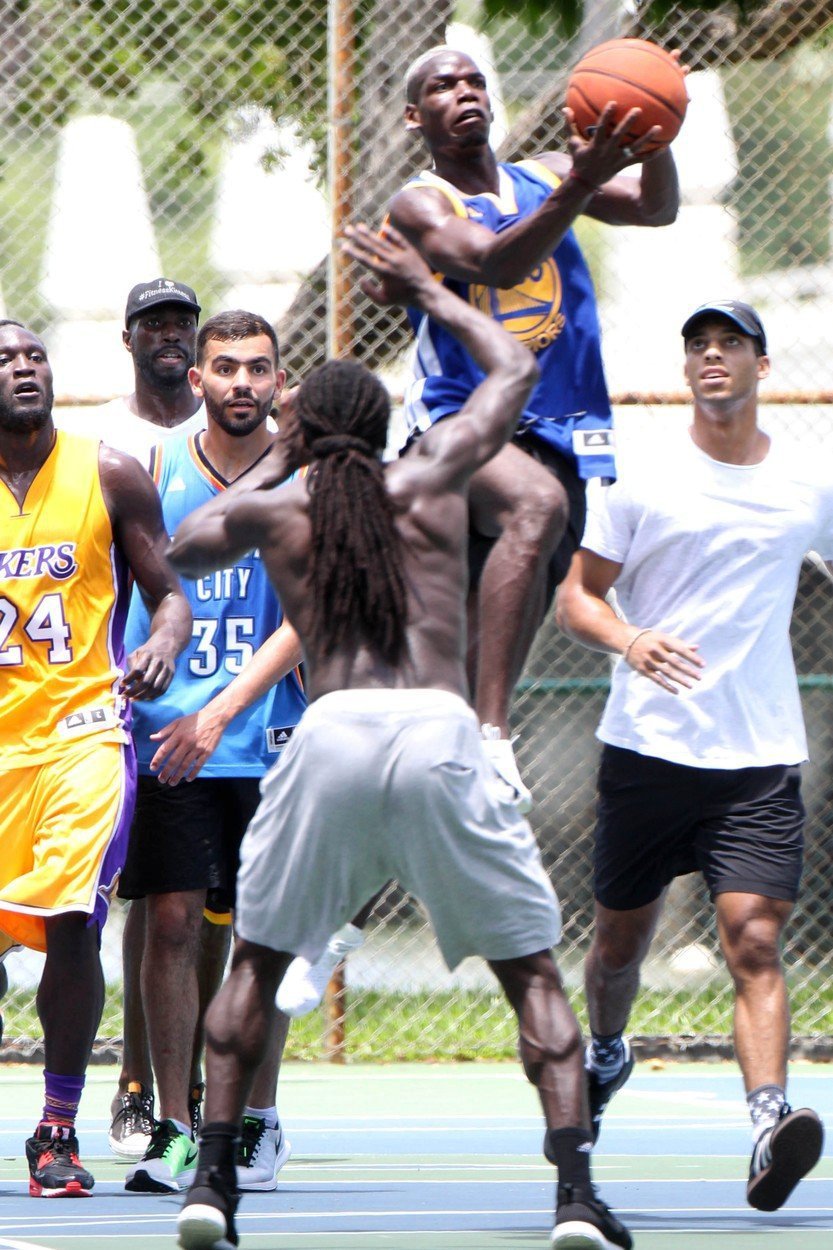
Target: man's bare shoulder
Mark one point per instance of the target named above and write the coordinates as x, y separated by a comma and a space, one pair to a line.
425, 489
277, 505
419, 205
120, 469
129, 493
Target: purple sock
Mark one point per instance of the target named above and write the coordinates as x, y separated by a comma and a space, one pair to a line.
61, 1099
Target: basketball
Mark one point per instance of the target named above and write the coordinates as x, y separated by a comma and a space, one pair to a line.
636, 74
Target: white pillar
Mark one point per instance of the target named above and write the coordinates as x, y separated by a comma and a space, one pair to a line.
100, 242
272, 222
654, 277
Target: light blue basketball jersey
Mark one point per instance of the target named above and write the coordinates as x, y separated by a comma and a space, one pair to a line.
235, 610
553, 312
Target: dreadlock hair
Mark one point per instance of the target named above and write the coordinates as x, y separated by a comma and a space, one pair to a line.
358, 583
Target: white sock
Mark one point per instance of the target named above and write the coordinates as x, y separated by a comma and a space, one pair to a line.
269, 1114
303, 985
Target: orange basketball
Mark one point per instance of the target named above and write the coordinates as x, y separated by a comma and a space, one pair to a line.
636, 74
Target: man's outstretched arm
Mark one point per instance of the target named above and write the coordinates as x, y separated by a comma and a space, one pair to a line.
493, 408
469, 252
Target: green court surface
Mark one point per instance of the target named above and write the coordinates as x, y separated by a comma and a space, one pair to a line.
444, 1157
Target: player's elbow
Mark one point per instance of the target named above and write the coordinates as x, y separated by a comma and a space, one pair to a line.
521, 373
661, 209
182, 560
526, 367
565, 608
185, 551
666, 215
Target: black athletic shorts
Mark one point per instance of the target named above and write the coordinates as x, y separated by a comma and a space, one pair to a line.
187, 837
575, 487
742, 828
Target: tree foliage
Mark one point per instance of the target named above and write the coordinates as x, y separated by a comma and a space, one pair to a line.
569, 14
57, 54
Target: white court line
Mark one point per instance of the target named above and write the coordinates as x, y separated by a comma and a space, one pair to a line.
541, 1180
403, 1235
249, 1218
5, 1244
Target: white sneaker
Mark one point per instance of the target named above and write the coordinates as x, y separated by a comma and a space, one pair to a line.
133, 1123
167, 1166
261, 1155
502, 758
304, 984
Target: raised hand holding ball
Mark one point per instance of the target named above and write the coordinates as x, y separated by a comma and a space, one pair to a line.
632, 74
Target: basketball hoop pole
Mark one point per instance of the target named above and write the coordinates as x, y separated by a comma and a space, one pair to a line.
340, 83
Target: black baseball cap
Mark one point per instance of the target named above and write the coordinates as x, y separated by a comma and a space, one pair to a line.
160, 291
741, 315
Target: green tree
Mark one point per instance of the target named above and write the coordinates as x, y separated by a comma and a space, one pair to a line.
59, 56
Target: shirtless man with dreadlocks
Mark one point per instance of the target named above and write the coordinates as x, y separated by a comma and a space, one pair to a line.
386, 774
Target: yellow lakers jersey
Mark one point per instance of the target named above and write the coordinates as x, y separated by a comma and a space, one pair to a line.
63, 596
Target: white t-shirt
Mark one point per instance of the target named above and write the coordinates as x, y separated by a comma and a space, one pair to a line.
114, 424
711, 552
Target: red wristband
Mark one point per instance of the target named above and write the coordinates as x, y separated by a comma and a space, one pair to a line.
591, 186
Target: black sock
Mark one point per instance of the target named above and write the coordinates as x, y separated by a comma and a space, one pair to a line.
218, 1146
569, 1149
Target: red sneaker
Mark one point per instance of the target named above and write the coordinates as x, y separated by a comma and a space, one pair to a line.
55, 1171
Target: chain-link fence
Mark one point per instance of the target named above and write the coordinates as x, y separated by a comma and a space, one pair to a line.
192, 140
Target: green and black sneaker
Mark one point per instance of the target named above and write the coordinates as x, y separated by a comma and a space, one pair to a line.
168, 1164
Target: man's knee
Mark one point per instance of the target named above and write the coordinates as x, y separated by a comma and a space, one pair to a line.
752, 948
541, 514
532, 506
750, 933
173, 922
621, 941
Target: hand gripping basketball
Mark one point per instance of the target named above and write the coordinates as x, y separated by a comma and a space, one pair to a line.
630, 73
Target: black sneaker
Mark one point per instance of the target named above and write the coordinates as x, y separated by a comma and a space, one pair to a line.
133, 1123
600, 1092
195, 1108
583, 1222
55, 1171
206, 1221
782, 1156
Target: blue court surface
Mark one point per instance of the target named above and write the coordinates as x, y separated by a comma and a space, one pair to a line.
445, 1157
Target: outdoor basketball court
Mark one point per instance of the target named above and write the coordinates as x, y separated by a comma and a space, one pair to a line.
444, 1157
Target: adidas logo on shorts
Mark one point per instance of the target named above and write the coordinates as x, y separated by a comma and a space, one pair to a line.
276, 739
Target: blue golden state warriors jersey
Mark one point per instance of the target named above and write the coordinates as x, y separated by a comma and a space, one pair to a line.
235, 610
553, 312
